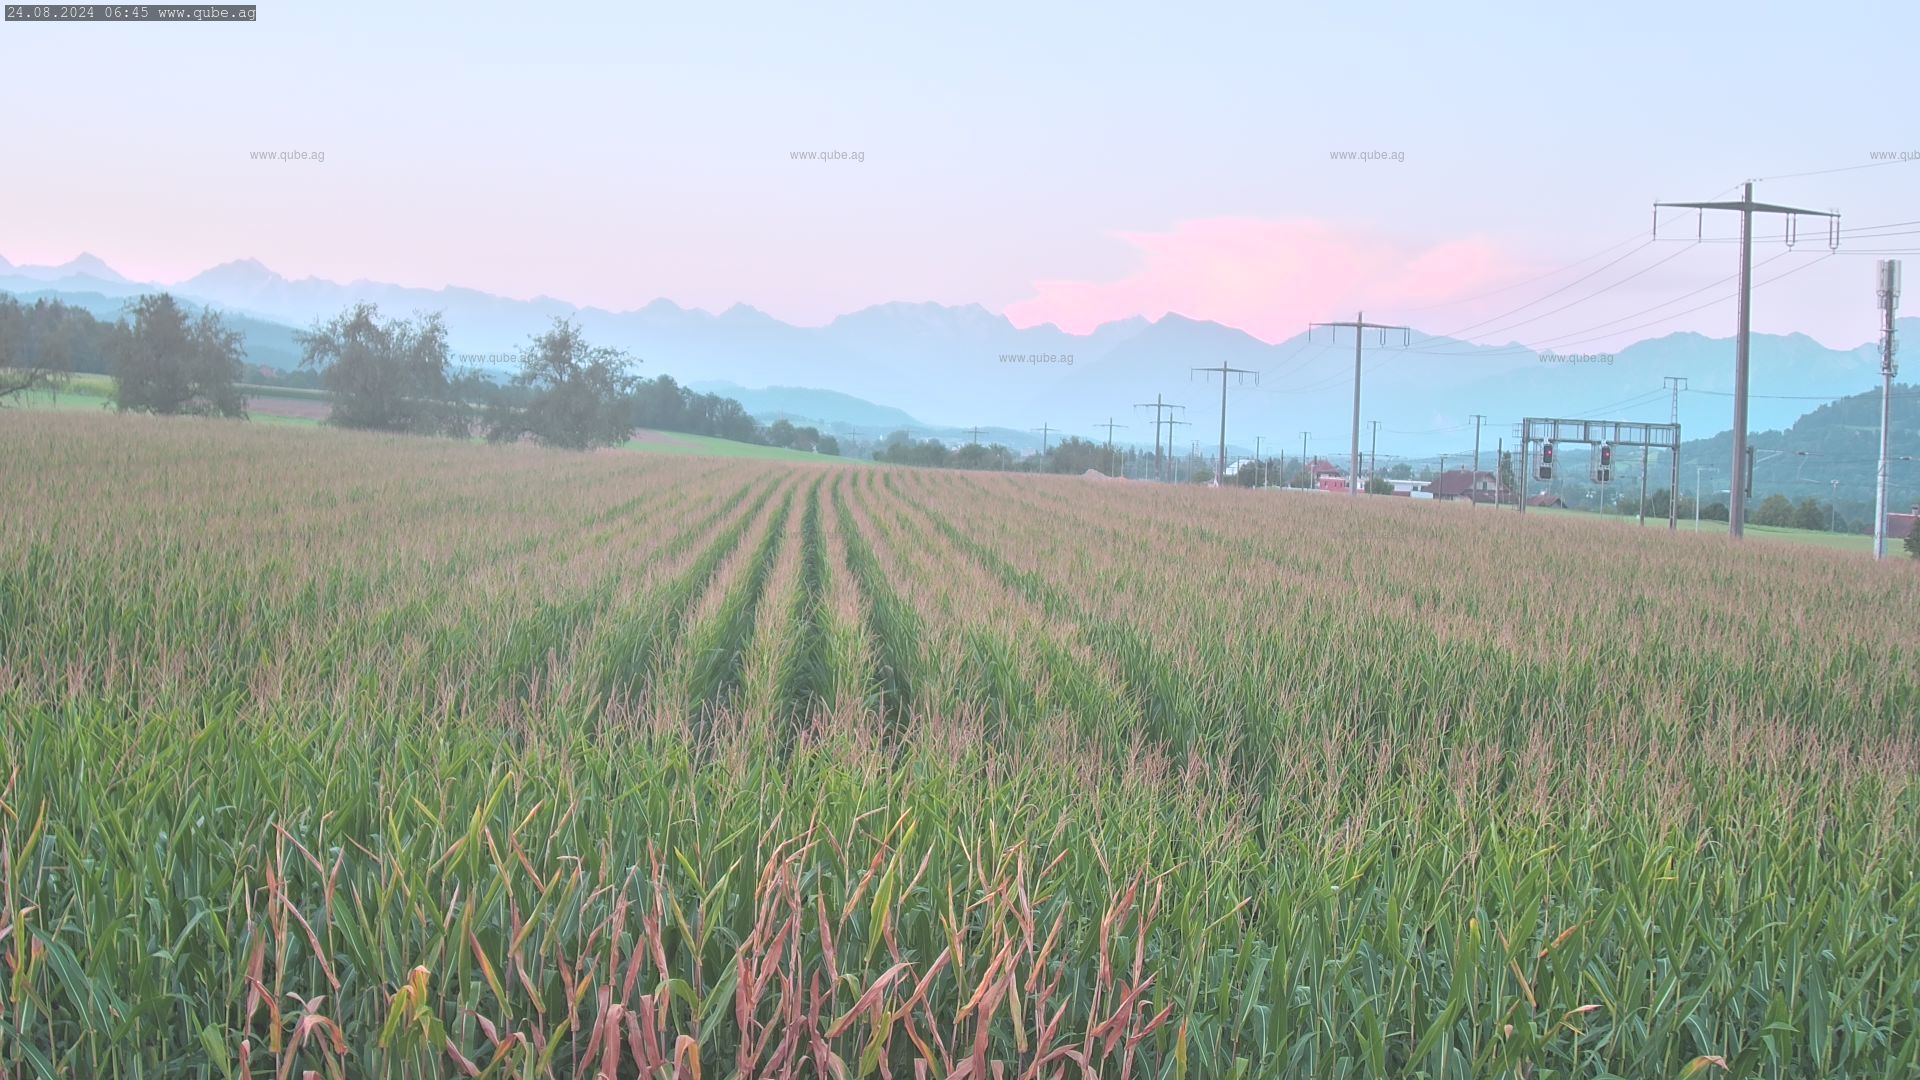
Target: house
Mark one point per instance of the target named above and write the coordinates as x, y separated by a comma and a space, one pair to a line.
1326, 476
1901, 526
1548, 500
1457, 485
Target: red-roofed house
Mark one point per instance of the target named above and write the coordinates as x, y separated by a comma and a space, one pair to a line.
1547, 499
1901, 526
1326, 475
1465, 484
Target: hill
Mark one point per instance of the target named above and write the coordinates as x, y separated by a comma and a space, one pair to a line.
804, 405
1829, 454
955, 366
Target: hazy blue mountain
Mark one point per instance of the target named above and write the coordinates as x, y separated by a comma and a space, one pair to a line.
267, 344
83, 267
801, 405
1838, 440
944, 366
1830, 452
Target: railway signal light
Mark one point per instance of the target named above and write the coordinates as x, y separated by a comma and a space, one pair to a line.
1603, 467
1546, 461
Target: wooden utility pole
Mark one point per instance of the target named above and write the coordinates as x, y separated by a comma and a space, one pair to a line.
1159, 408
1360, 324
1889, 303
1737, 496
1474, 482
1373, 453
1676, 384
1220, 467
1109, 425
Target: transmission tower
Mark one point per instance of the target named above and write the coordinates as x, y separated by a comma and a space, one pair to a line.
1220, 468
1737, 498
1360, 324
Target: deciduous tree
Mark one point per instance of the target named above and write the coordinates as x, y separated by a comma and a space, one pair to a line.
169, 363
385, 376
574, 394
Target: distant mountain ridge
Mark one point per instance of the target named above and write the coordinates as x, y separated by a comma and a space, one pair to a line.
803, 405
952, 367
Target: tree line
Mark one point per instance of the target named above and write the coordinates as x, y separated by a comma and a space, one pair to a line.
1069, 455
379, 374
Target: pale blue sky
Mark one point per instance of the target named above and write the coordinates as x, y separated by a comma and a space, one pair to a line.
1068, 162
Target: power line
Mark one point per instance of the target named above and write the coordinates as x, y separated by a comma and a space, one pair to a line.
1360, 326
1160, 407
1575, 337
1526, 281
1589, 296
1655, 322
1541, 277
1829, 172
1584, 277
1743, 344
1220, 469
1675, 300
1911, 392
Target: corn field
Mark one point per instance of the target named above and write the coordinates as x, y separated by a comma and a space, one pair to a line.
350, 755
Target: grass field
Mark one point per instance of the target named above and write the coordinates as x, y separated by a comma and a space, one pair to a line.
399, 757
674, 442
95, 393
1837, 541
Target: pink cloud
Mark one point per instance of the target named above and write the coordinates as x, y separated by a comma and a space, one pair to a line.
1270, 278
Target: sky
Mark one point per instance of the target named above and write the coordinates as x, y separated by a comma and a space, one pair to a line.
1063, 163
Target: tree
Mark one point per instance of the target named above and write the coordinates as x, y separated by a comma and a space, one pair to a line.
170, 364
1714, 512
1913, 543
1379, 486
1808, 513
1076, 455
1506, 481
828, 445
43, 342
23, 367
975, 456
385, 376
19, 376
660, 404
1776, 510
573, 395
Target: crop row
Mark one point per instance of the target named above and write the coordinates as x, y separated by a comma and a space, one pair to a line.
379, 756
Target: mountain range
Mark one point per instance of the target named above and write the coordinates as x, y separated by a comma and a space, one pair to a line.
932, 368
